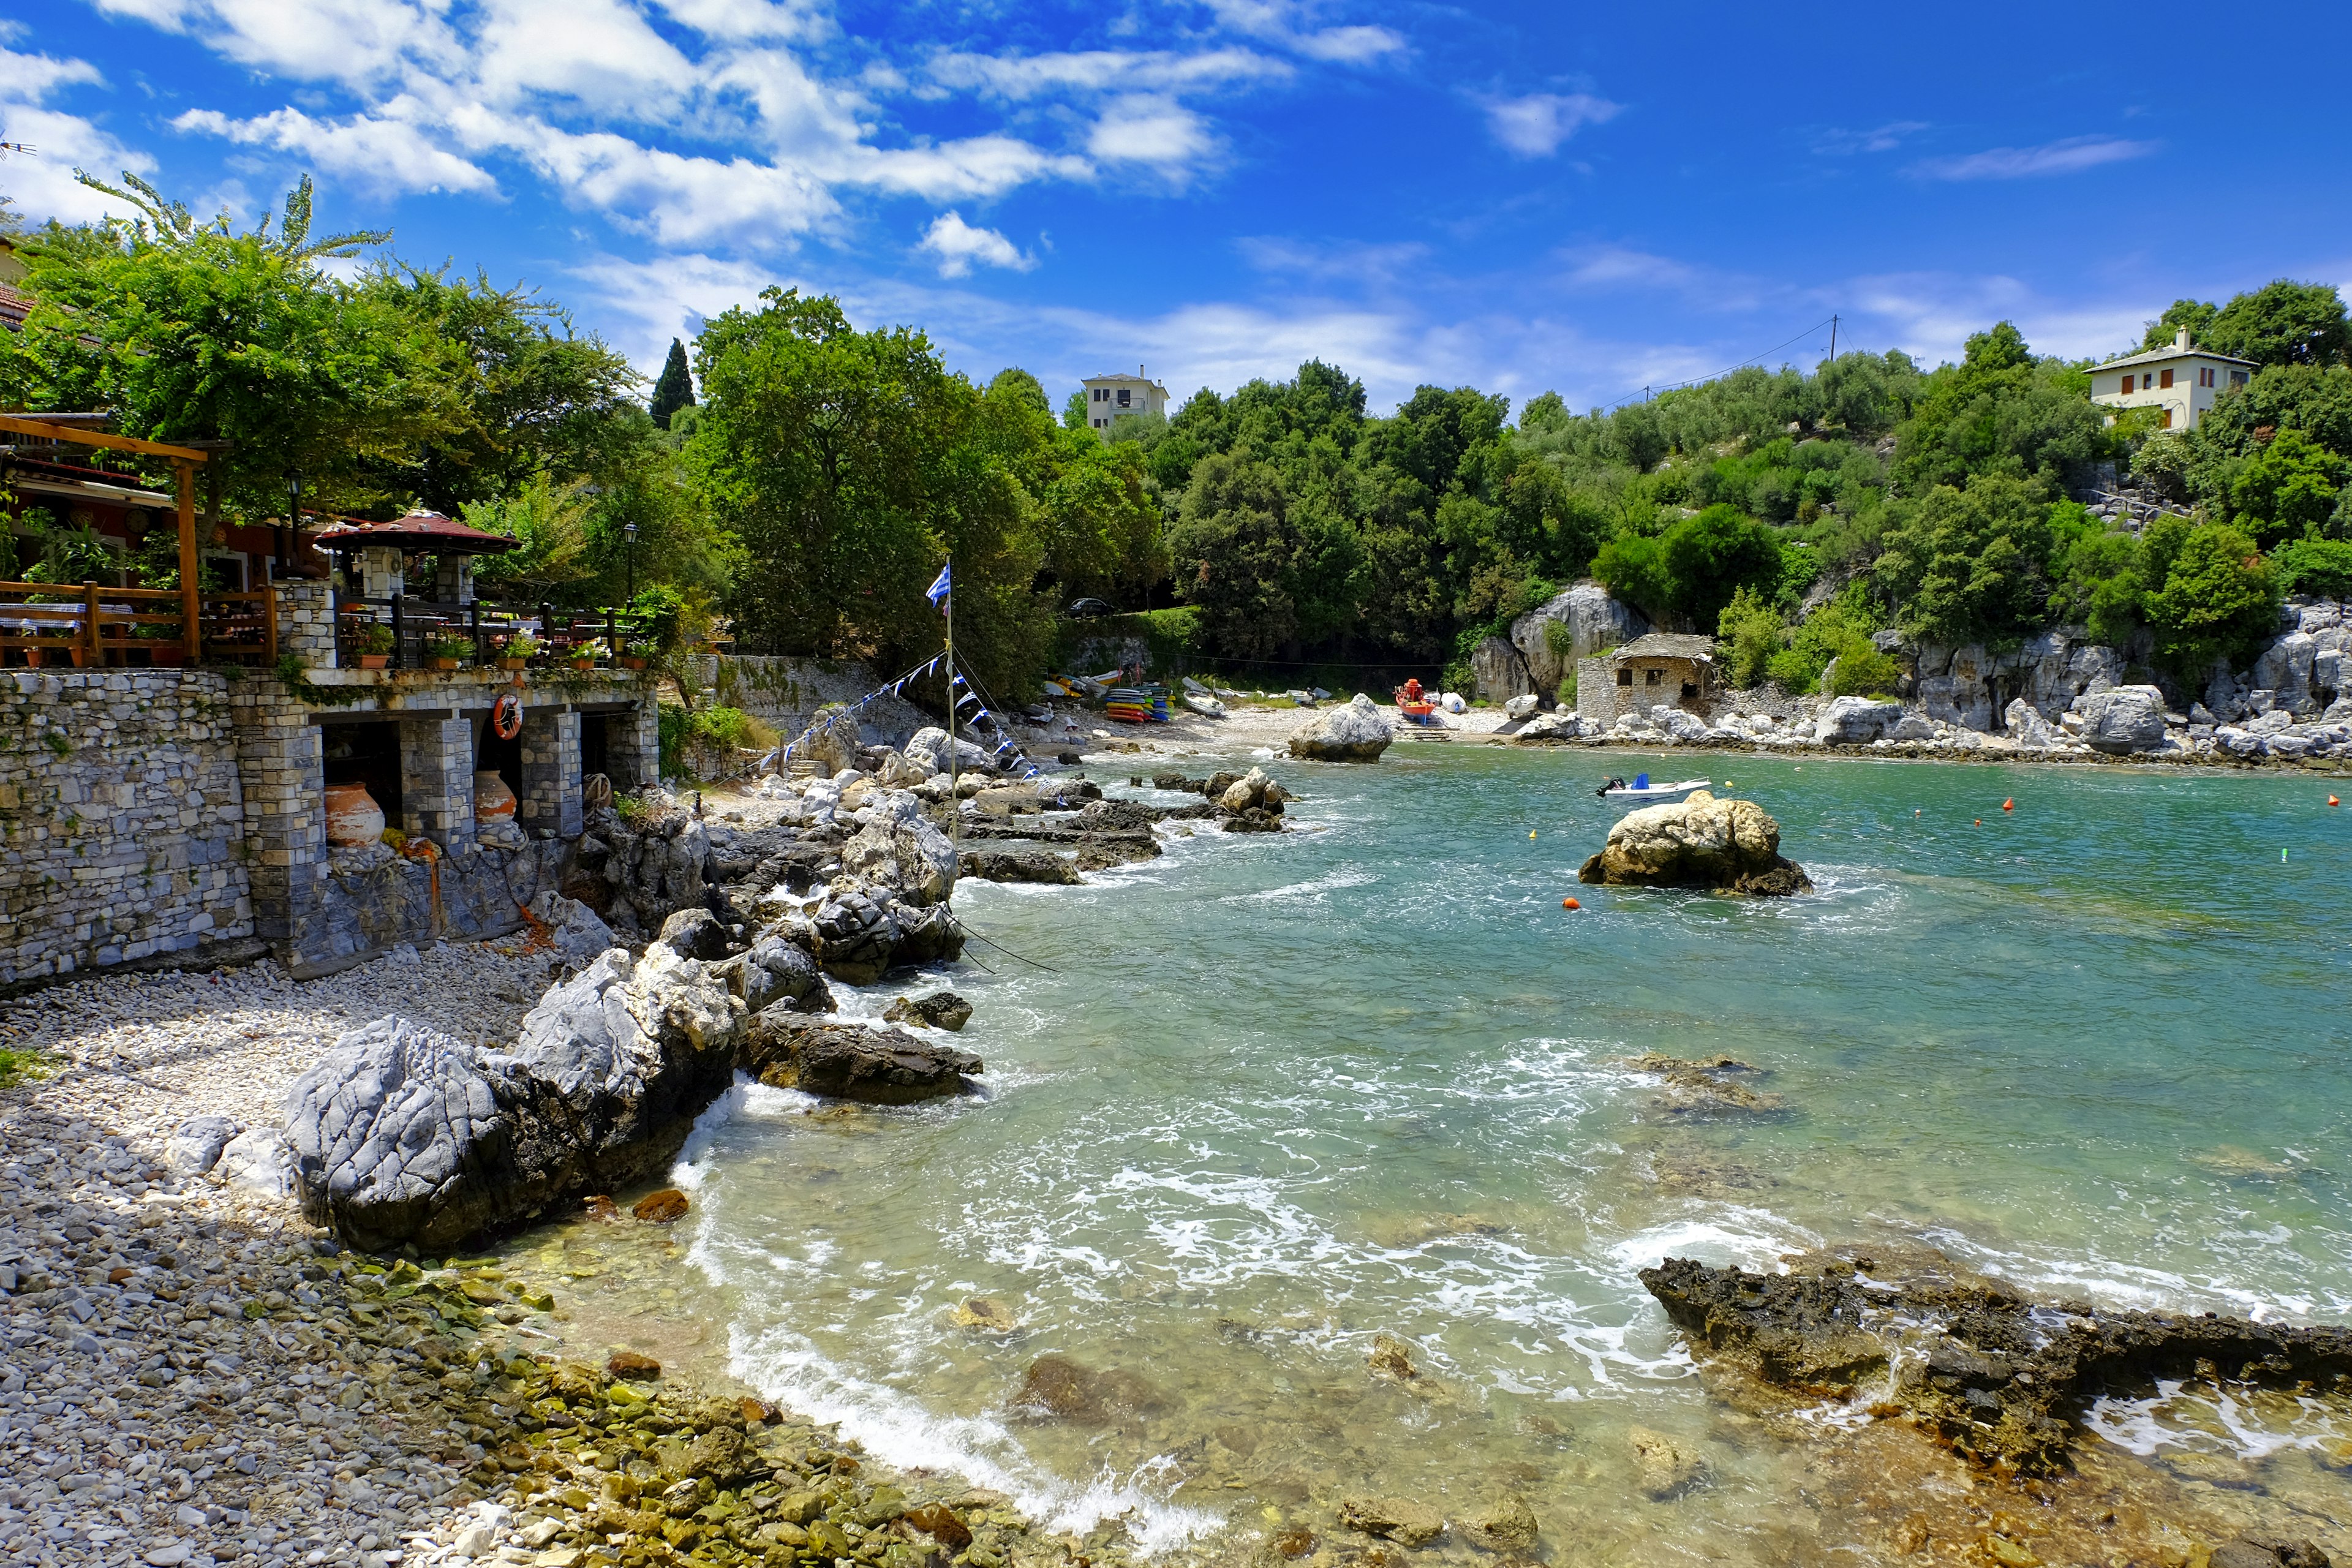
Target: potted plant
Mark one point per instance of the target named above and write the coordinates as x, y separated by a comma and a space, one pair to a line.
638, 652
584, 655
447, 652
375, 642
516, 649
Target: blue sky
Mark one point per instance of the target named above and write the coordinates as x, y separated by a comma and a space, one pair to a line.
1518, 197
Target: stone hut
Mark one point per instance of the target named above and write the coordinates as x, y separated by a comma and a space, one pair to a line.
1671, 668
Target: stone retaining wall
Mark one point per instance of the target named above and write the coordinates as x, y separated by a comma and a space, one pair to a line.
787, 692
122, 820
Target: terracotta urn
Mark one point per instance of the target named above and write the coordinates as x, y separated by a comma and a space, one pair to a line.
493, 802
353, 819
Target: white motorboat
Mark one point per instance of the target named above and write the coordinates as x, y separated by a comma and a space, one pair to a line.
1643, 789
1205, 705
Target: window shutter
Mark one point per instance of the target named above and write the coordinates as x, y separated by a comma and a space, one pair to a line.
2127, 387
2164, 378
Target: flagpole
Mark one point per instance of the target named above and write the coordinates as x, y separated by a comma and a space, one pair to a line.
955, 800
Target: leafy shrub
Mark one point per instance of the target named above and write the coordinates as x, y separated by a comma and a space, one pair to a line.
1750, 630
1838, 629
2218, 600
2319, 567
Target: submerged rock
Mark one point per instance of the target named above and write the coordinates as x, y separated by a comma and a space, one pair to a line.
1400, 1519
1715, 1084
1355, 731
1663, 1467
2001, 1379
1702, 842
845, 1062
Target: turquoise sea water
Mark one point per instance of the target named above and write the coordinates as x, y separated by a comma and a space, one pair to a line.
1278, 1095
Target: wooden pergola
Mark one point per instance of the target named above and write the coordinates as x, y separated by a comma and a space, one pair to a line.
184, 461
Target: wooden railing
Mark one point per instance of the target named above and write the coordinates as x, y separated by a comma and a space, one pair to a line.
414, 623
93, 627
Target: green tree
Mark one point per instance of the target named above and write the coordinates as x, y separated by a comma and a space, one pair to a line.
2219, 601
2284, 322
1972, 565
1750, 631
1712, 556
2196, 315
1271, 577
675, 388
2288, 489
1634, 567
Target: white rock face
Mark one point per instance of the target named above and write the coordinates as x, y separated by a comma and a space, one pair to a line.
2028, 728
1593, 620
1855, 721
1519, 707
2123, 720
1557, 727
1354, 731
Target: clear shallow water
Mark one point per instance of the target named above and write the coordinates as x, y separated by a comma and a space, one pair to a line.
1280, 1095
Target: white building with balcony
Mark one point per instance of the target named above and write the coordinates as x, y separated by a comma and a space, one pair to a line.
2184, 380
1108, 396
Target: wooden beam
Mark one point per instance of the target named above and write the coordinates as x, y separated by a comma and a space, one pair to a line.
67, 432
192, 626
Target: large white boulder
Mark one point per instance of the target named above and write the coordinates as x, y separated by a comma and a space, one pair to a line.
1354, 731
1591, 620
2122, 719
1855, 721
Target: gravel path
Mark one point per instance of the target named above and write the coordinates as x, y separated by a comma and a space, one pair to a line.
171, 1390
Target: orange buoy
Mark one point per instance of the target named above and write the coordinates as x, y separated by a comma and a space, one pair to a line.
2332, 801
1570, 904
1979, 821
2009, 805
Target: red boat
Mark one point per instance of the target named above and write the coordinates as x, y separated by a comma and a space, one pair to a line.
1415, 705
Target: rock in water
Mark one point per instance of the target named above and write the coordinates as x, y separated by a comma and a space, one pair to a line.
1510, 1526
1020, 866
879, 1067
1700, 842
1352, 732
776, 970
1998, 1377
939, 1010
1400, 1519
1664, 1467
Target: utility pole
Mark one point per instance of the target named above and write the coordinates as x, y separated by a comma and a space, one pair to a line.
955, 796
1834, 326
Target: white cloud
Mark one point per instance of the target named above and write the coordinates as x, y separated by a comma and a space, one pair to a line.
1536, 125
644, 303
1883, 139
600, 53
1145, 128
1101, 71
41, 182
746, 20
976, 166
2071, 155
958, 247
352, 41
1287, 22
388, 157
28, 78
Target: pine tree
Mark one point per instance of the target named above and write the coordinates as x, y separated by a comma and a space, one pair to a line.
675, 390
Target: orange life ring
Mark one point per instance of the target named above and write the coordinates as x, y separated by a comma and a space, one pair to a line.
505, 716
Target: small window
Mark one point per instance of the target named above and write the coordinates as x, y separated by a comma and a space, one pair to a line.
1653, 677
2237, 378
2168, 417
1122, 397
2164, 378
1624, 678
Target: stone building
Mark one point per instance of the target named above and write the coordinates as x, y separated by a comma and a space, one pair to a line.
1668, 668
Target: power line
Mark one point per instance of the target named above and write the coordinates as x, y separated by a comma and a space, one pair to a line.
1647, 392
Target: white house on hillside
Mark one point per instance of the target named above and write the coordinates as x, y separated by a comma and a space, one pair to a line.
1108, 396
2181, 380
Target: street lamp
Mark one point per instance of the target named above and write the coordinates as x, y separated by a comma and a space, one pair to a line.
629, 532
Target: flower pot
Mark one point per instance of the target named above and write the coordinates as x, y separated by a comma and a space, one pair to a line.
584, 665
439, 663
493, 802
80, 656
353, 819
167, 655
32, 658
630, 661
512, 663
374, 660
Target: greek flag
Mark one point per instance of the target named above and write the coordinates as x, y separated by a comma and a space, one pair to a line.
937, 591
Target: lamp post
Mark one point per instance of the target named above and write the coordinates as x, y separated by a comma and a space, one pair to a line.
629, 532
287, 534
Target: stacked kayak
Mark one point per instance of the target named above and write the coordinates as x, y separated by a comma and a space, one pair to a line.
1145, 704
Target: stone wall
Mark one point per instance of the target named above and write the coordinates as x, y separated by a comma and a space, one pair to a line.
787, 692
122, 820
